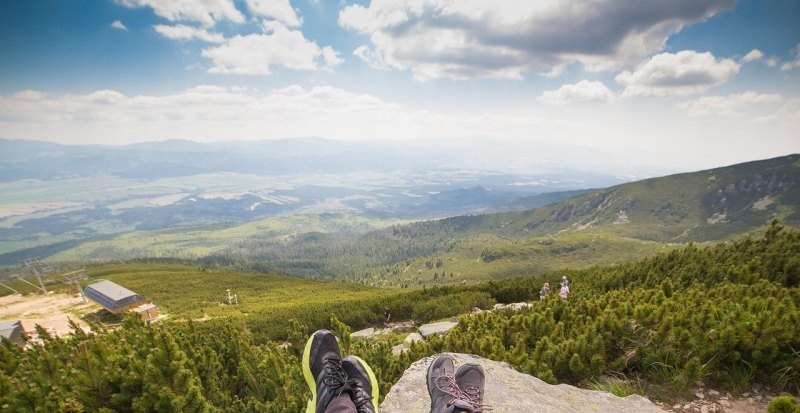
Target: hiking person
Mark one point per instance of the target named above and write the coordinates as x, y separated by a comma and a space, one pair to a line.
564, 293
544, 291
348, 385
387, 314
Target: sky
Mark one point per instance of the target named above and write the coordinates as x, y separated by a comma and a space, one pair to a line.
679, 83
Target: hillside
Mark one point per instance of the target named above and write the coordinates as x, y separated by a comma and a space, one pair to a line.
707, 205
67, 202
603, 227
724, 314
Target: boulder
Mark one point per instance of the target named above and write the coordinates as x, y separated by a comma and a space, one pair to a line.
508, 390
366, 333
400, 348
413, 337
436, 328
519, 306
498, 306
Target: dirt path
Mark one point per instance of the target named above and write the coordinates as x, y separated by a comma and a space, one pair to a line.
51, 311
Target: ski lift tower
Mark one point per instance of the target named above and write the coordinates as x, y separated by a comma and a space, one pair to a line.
39, 269
75, 278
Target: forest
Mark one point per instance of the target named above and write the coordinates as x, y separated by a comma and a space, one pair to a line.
726, 314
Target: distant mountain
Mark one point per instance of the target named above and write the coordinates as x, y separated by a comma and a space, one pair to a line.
599, 227
23, 159
708, 205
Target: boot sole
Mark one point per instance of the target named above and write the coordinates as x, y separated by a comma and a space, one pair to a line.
310, 380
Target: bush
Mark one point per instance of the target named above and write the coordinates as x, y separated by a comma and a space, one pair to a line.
447, 306
783, 404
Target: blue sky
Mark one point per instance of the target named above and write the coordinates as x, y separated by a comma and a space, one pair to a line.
706, 82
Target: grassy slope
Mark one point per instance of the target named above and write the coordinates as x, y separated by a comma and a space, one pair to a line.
193, 242
487, 257
588, 230
184, 291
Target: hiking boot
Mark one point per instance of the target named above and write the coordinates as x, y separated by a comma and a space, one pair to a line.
363, 385
442, 387
322, 369
470, 381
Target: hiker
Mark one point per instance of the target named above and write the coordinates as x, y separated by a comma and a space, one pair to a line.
564, 293
387, 314
544, 291
348, 385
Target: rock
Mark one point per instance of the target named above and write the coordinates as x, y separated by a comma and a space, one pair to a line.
366, 333
498, 306
413, 337
704, 409
700, 395
699, 383
713, 393
510, 391
400, 348
519, 306
402, 327
475, 310
436, 328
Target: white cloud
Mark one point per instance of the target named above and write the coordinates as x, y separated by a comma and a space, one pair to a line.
208, 112
366, 54
183, 32
772, 61
643, 133
505, 38
731, 105
583, 91
256, 54
677, 74
753, 55
795, 63
280, 10
116, 24
206, 12
330, 57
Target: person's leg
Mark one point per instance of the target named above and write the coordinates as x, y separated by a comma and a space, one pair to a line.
470, 380
459, 392
322, 369
364, 388
341, 404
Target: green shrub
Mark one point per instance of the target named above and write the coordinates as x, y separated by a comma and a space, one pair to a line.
782, 404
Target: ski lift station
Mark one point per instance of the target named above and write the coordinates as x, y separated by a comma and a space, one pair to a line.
117, 299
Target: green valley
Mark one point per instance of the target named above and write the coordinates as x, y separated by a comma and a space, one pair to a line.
638, 322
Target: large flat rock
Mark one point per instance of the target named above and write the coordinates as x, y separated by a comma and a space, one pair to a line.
436, 328
366, 333
509, 391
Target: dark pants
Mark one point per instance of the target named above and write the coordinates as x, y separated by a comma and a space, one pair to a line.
341, 404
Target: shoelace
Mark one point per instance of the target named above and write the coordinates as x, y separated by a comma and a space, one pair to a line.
335, 377
470, 395
360, 396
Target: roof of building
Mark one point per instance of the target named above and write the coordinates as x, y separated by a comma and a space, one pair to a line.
10, 329
144, 307
111, 295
